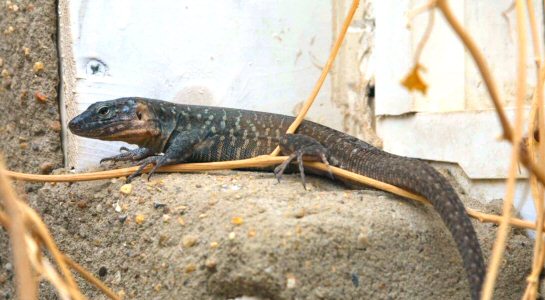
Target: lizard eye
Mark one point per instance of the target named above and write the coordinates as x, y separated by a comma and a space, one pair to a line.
139, 115
103, 111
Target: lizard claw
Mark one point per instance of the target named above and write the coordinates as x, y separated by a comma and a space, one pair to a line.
156, 160
279, 170
143, 164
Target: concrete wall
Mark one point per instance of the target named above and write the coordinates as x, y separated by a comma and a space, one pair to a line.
29, 108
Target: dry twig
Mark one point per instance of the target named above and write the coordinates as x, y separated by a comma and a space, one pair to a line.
32, 234
260, 161
501, 238
536, 123
26, 287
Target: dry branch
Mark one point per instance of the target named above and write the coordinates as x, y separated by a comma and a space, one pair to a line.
31, 235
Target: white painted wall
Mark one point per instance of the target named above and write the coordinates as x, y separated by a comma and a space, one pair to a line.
261, 55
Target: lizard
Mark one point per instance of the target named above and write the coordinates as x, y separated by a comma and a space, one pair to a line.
169, 133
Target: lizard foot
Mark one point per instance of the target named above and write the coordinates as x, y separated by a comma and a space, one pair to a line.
156, 160
301, 146
128, 155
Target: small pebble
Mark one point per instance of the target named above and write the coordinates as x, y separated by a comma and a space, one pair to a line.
290, 281
157, 287
139, 219
355, 280
214, 245
46, 167
9, 30
210, 264
163, 239
190, 268
299, 213
81, 204
38, 67
181, 221
237, 221
126, 189
122, 219
251, 233
232, 235
189, 241
6, 83
363, 238
158, 205
40, 97
8, 266
11, 6
102, 271
5, 73
26, 51
180, 209
55, 126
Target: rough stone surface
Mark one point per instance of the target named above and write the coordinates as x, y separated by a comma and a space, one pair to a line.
29, 110
252, 237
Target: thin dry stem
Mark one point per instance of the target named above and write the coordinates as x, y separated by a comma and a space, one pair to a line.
488, 218
45, 237
45, 270
537, 192
501, 239
26, 286
5, 221
260, 161
536, 123
426, 36
419, 10
308, 103
481, 63
90, 278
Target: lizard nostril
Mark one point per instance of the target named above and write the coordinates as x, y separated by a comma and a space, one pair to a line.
73, 124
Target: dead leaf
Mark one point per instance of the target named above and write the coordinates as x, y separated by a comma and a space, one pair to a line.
413, 80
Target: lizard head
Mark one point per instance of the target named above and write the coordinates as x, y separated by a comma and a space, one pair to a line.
125, 119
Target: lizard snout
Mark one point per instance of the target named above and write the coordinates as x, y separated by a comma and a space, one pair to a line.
75, 125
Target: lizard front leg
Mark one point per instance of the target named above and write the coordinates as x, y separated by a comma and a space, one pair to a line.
129, 155
177, 150
299, 146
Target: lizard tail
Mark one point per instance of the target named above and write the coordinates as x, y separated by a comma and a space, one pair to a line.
419, 177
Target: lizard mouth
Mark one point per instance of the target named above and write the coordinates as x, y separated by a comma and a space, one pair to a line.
130, 132
92, 129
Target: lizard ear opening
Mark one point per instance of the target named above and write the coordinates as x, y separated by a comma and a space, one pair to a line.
142, 112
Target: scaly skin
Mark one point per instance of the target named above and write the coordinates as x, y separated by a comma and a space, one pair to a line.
188, 133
